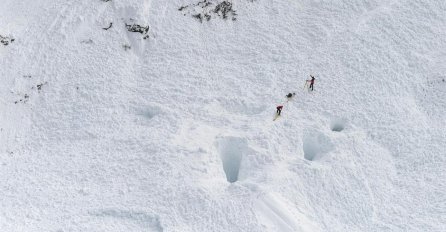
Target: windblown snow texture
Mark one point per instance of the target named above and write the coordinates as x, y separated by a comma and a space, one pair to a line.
162, 121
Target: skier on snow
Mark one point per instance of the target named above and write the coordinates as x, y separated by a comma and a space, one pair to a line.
279, 109
311, 82
290, 95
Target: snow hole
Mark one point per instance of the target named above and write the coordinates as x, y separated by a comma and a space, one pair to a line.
337, 124
316, 145
231, 151
149, 112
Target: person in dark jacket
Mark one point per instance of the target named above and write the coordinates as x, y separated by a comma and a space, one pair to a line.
290, 95
279, 109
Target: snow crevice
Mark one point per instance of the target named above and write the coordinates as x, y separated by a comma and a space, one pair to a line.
231, 150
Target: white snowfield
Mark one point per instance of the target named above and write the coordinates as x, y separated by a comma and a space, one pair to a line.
171, 129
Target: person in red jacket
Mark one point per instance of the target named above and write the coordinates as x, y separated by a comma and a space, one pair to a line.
311, 82
279, 109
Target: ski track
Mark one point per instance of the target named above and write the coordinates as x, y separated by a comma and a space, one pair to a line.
145, 139
272, 211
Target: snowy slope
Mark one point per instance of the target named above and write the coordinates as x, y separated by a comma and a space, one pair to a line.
103, 130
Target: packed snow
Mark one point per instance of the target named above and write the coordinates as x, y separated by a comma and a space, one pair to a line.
141, 115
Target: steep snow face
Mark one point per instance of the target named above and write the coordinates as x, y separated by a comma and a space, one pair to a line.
157, 115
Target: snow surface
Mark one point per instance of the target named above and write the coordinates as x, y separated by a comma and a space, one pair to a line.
102, 130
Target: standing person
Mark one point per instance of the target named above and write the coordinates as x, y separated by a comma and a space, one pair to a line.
311, 82
279, 109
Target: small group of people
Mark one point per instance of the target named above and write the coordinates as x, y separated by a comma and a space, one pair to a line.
291, 95
279, 107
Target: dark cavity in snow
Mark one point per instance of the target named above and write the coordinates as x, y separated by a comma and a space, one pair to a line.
337, 124
231, 150
316, 145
